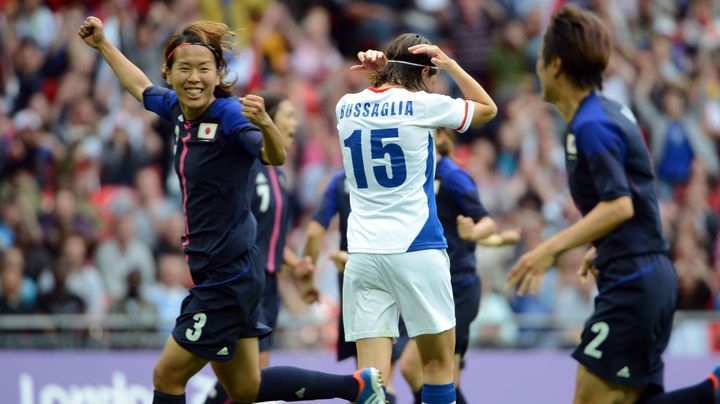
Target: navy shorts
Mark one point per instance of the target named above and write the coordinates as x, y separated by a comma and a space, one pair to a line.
347, 349
222, 307
467, 306
270, 308
630, 328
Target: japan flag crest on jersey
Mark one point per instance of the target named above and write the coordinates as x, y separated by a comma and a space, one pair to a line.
207, 131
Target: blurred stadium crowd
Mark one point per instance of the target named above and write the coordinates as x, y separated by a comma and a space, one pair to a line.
90, 217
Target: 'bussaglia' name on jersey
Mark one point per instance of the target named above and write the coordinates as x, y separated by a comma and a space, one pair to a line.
376, 109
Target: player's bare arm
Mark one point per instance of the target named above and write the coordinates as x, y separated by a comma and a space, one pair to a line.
485, 108
504, 238
131, 77
527, 274
273, 151
471, 231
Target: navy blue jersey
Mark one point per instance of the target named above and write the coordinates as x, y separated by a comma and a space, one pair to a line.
212, 157
606, 158
267, 191
456, 194
335, 200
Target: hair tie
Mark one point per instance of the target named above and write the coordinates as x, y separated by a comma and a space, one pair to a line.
402, 62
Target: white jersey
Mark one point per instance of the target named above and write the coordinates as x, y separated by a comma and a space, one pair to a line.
389, 157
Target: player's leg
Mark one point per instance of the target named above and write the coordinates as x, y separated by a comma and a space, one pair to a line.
459, 396
592, 389
245, 382
621, 347
370, 314
374, 352
411, 369
397, 351
208, 325
172, 371
466, 295
424, 295
270, 308
438, 366
705, 392
240, 376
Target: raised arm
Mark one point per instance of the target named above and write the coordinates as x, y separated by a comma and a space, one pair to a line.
273, 150
130, 76
485, 108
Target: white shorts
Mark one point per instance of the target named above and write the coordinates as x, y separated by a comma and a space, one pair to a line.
379, 287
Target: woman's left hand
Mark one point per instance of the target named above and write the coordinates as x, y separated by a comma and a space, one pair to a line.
253, 108
437, 56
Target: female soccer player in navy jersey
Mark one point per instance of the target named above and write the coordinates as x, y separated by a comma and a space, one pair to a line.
397, 262
216, 142
612, 183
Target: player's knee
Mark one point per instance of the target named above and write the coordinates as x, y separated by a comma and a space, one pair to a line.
411, 372
245, 389
163, 381
588, 394
408, 369
438, 365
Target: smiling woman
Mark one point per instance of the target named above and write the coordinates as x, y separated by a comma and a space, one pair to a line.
217, 141
195, 68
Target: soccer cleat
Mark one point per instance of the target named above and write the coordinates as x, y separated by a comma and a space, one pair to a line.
715, 379
370, 386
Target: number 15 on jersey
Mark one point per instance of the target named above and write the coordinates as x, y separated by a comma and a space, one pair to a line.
378, 150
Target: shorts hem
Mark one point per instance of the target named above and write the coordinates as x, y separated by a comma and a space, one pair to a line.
198, 351
608, 376
430, 330
365, 335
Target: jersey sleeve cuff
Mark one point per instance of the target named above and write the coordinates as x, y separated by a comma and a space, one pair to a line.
467, 118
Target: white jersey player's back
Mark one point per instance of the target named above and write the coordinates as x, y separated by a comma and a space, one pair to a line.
389, 157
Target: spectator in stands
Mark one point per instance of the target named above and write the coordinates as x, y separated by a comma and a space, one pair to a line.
60, 300
134, 302
18, 293
168, 294
153, 208
121, 254
82, 278
65, 219
676, 137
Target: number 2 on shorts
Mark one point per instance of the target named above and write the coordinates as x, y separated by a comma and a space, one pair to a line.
193, 334
602, 329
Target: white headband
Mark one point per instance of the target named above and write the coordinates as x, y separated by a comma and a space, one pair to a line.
412, 64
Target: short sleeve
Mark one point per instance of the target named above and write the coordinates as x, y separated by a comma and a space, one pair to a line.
447, 112
328, 205
464, 194
249, 138
160, 100
604, 151
239, 129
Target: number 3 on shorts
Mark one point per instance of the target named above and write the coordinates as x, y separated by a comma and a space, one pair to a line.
193, 334
602, 329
